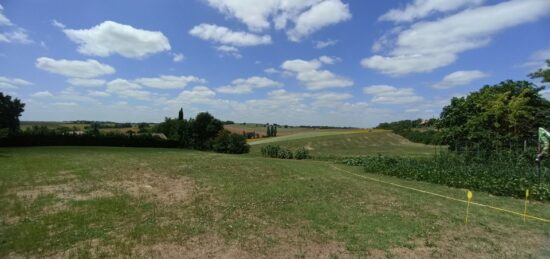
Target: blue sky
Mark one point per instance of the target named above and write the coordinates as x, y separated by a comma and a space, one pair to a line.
314, 62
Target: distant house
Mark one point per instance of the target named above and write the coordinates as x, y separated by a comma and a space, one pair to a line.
75, 133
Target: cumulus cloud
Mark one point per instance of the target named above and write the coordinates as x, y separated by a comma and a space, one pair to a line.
58, 24
308, 16
459, 78
229, 50
224, 35
169, 82
74, 68
323, 44
124, 88
426, 46
329, 99
247, 85
199, 94
110, 38
386, 94
98, 94
312, 76
42, 94
422, 8
177, 57
13, 33
89, 82
321, 15
12, 83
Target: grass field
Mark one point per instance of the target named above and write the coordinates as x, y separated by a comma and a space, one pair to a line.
261, 129
348, 143
130, 202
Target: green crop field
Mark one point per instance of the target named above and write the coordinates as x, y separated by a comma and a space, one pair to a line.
140, 202
349, 143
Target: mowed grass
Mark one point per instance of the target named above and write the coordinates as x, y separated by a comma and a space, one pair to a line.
130, 202
349, 143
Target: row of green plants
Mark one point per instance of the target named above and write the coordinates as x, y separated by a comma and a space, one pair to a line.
276, 151
503, 174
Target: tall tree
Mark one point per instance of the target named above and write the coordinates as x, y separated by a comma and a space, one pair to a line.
542, 73
10, 111
497, 115
180, 114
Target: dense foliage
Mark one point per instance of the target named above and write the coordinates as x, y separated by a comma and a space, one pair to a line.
276, 151
496, 116
10, 111
419, 131
543, 73
231, 143
504, 173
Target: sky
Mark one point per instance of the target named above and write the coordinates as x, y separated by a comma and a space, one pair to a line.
297, 62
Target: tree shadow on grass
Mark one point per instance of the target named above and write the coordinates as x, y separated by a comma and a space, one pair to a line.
4, 154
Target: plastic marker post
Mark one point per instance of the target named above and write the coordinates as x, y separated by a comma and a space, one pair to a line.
470, 195
526, 201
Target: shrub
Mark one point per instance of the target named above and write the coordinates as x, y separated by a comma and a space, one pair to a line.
231, 143
301, 153
271, 151
284, 153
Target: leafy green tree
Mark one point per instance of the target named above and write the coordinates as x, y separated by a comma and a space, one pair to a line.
10, 111
544, 74
205, 128
143, 127
494, 116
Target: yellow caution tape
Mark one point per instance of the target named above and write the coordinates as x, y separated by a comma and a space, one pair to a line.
443, 196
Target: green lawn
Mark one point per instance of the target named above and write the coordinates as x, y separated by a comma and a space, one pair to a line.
130, 202
346, 143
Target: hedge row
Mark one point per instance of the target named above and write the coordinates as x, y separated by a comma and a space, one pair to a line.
112, 140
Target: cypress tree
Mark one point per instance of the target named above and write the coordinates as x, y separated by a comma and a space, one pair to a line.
180, 115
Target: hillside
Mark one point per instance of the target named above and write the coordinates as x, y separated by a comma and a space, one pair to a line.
348, 143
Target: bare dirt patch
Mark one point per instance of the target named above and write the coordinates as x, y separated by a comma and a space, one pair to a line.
473, 242
68, 191
167, 190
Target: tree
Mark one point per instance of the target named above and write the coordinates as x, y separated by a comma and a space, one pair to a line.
143, 127
274, 131
180, 114
497, 115
205, 129
542, 73
268, 130
10, 111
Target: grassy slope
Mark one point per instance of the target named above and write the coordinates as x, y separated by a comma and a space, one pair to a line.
346, 143
238, 206
261, 129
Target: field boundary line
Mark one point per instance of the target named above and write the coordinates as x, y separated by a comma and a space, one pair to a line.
443, 196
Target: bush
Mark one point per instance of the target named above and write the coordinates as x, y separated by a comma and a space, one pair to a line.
284, 153
231, 143
301, 153
275, 151
504, 174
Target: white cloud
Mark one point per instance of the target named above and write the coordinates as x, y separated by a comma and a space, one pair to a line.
169, 82
4, 21
98, 94
330, 99
110, 38
321, 15
459, 78
229, 50
17, 35
538, 59
323, 44
58, 24
12, 83
271, 70
545, 93
422, 8
128, 89
74, 68
426, 46
223, 35
86, 82
244, 86
42, 94
308, 16
328, 60
385, 94
312, 76
177, 57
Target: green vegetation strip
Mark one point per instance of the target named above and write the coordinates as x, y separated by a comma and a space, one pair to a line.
444, 196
